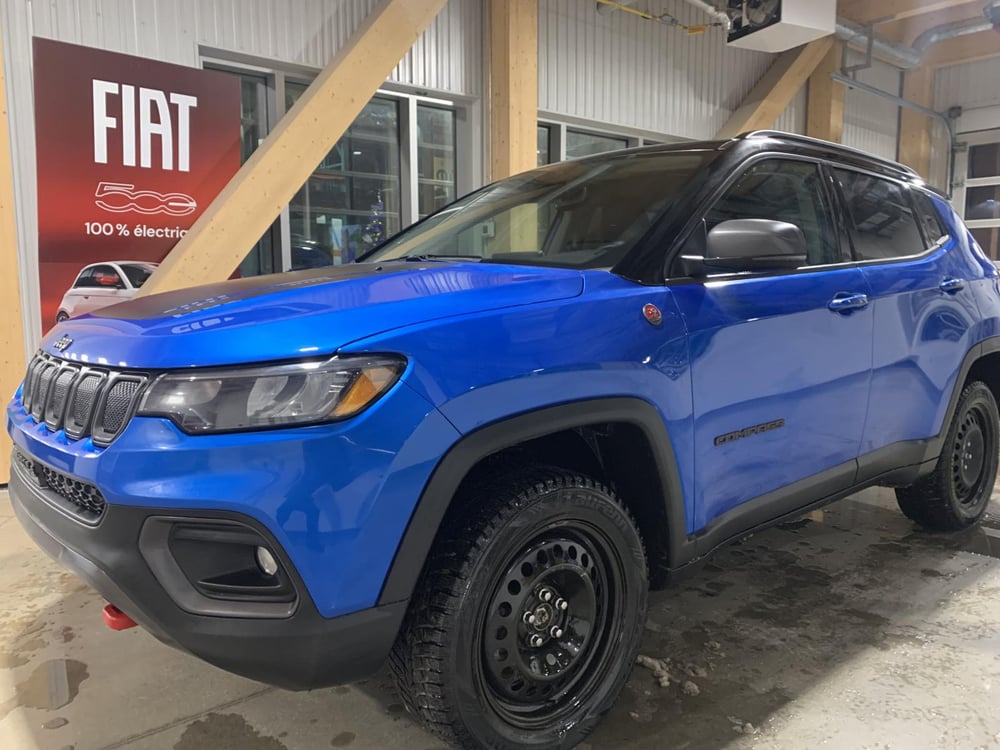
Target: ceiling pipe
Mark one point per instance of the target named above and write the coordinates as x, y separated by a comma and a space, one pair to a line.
720, 16
859, 37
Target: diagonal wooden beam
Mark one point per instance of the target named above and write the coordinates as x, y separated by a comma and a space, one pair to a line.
768, 99
227, 230
12, 319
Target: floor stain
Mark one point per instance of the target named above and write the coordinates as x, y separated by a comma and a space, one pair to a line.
53, 684
218, 731
343, 739
55, 723
10, 661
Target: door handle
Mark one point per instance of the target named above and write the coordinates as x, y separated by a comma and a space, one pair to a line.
951, 285
848, 302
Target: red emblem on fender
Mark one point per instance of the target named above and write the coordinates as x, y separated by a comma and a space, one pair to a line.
652, 314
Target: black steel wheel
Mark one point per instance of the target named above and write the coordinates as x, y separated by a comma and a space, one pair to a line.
957, 493
531, 611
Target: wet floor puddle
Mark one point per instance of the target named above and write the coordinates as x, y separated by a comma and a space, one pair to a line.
53, 684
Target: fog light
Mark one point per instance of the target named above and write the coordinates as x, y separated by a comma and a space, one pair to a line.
266, 561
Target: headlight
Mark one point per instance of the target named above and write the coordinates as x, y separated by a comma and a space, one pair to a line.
220, 400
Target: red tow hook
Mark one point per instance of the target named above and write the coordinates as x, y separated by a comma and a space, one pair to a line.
115, 619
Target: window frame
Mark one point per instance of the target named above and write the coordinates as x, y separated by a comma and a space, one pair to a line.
849, 220
833, 199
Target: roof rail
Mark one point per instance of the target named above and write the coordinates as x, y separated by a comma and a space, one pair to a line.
896, 166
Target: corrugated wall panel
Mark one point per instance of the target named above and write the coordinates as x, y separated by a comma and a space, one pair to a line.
592, 64
871, 123
969, 86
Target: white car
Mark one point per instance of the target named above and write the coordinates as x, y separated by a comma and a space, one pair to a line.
102, 284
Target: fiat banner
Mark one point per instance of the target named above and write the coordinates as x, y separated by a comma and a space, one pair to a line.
129, 152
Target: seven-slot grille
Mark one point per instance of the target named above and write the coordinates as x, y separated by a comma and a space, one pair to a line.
85, 401
83, 499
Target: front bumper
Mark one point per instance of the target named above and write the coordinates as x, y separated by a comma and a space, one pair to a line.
300, 651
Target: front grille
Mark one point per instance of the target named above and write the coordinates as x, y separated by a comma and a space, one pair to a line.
83, 500
84, 401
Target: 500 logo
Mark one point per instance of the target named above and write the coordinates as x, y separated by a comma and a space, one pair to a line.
121, 198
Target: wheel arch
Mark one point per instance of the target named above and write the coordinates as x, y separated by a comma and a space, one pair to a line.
472, 449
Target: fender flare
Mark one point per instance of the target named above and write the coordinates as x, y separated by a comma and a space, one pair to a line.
470, 449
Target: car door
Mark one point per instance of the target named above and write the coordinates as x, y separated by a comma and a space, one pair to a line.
780, 361
924, 311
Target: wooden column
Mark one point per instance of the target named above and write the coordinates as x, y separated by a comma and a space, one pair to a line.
12, 317
768, 99
513, 87
222, 236
825, 110
914, 127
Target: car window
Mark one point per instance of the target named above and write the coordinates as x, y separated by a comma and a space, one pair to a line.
85, 280
783, 190
882, 218
106, 277
577, 214
137, 274
929, 217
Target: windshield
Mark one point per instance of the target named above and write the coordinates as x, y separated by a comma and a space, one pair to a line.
137, 274
577, 214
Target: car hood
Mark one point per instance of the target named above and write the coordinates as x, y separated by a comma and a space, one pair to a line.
297, 314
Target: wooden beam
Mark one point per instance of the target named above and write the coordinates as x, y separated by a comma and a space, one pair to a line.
888, 11
12, 320
963, 49
825, 108
513, 87
768, 99
905, 31
223, 235
914, 127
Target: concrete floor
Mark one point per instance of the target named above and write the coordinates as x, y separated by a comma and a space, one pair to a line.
850, 629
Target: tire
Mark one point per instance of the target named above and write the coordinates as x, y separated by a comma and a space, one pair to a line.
541, 542
61, 316
957, 493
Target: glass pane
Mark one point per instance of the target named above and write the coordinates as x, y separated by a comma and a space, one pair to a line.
989, 241
351, 202
984, 161
789, 191
584, 144
884, 224
543, 145
253, 129
982, 202
435, 158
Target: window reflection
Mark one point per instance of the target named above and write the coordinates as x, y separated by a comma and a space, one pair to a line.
435, 158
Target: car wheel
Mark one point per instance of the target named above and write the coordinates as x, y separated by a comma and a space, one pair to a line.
528, 616
956, 494
61, 316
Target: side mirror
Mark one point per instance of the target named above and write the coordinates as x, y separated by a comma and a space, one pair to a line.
755, 245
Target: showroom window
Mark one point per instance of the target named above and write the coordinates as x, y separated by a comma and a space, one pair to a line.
980, 199
352, 200
435, 158
559, 141
398, 162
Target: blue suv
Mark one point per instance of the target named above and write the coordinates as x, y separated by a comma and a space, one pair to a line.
473, 452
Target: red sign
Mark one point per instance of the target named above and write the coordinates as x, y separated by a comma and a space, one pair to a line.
129, 152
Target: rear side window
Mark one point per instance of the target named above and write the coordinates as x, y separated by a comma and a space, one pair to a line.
884, 224
929, 218
783, 190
